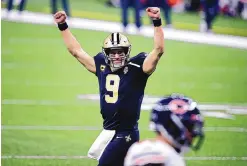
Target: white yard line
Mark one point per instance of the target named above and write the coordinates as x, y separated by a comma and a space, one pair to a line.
44, 83
15, 66
208, 109
148, 102
197, 158
215, 158
95, 128
33, 102
106, 26
68, 128
43, 157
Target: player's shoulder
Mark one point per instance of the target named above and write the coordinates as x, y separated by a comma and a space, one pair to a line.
143, 143
100, 55
172, 157
153, 145
160, 150
139, 146
138, 59
141, 55
99, 59
156, 145
140, 150
146, 146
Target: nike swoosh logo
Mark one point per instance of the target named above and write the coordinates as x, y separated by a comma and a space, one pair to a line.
119, 137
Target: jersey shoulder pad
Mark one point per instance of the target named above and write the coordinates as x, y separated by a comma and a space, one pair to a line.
138, 59
143, 147
99, 61
99, 57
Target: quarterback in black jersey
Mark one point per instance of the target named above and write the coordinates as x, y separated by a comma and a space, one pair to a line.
122, 81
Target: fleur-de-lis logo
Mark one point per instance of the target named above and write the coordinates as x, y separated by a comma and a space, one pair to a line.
125, 70
128, 138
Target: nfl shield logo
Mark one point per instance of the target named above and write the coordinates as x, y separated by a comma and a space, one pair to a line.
102, 67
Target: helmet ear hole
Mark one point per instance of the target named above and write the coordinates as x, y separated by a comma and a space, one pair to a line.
107, 51
126, 50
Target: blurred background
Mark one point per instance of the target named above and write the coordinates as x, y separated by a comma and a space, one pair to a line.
50, 107
226, 16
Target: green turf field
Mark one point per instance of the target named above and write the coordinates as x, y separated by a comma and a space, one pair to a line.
96, 9
37, 67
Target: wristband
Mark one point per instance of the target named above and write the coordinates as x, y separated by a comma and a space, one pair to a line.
63, 26
157, 22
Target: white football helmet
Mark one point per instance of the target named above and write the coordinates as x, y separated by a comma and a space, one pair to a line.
116, 41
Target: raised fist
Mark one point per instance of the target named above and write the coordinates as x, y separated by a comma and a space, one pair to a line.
153, 12
60, 17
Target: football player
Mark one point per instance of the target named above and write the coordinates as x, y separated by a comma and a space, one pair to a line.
122, 81
211, 10
179, 127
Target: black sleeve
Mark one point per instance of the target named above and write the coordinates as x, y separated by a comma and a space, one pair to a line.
99, 60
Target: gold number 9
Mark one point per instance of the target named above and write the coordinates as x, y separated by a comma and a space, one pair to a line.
114, 79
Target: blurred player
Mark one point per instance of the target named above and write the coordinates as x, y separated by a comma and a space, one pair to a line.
210, 9
20, 3
136, 5
65, 4
122, 81
178, 123
166, 6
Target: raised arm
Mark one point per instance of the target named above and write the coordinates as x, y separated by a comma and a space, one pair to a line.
72, 44
153, 57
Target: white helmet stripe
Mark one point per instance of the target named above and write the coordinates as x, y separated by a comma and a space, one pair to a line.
165, 134
115, 38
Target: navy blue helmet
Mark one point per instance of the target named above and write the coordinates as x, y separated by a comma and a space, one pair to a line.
177, 118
